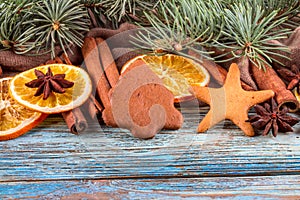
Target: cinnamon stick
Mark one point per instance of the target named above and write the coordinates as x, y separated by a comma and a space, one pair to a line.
93, 107
112, 75
96, 103
93, 64
107, 61
269, 80
75, 120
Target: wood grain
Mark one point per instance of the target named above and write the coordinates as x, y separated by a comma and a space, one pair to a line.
258, 187
50, 152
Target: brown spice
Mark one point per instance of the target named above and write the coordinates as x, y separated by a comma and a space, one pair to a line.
269, 117
48, 83
75, 121
93, 107
107, 61
291, 76
93, 64
269, 80
244, 66
96, 103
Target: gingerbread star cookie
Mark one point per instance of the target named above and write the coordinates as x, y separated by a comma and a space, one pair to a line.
230, 102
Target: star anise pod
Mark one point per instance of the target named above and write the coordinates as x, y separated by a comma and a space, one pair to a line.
48, 83
269, 117
292, 76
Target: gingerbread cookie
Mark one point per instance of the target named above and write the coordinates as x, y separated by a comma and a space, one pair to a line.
141, 103
230, 102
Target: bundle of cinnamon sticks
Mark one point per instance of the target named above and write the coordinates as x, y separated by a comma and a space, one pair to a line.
99, 63
103, 71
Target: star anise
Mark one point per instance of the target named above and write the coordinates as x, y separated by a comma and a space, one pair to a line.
292, 76
48, 83
269, 117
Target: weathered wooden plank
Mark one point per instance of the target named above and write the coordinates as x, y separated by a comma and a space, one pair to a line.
51, 152
272, 187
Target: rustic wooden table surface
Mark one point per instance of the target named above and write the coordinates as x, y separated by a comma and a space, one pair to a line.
104, 163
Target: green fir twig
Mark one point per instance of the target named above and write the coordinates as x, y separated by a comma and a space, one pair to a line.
180, 26
12, 18
250, 32
110, 14
239, 27
54, 23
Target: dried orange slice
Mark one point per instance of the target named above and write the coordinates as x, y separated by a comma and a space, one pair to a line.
56, 102
177, 73
15, 119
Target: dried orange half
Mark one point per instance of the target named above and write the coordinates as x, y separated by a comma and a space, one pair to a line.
178, 73
56, 102
15, 119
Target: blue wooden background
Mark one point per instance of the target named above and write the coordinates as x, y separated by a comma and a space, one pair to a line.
105, 163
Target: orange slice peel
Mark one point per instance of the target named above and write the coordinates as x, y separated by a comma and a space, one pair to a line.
178, 73
57, 102
16, 119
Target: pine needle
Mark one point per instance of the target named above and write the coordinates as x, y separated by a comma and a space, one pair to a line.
250, 31
54, 23
178, 26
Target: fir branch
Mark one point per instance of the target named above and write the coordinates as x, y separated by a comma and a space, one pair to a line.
250, 31
54, 22
11, 17
91, 3
116, 12
123, 7
180, 26
285, 8
96, 13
